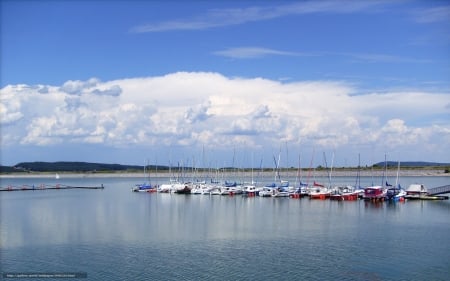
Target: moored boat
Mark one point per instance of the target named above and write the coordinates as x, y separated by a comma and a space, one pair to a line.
319, 193
344, 193
351, 196
374, 193
215, 190
266, 192
201, 188
251, 190
416, 190
144, 188
230, 190
183, 188
396, 194
420, 192
279, 192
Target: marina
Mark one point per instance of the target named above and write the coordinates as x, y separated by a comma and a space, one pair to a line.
316, 191
116, 234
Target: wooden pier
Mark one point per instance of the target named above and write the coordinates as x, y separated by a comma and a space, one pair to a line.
47, 187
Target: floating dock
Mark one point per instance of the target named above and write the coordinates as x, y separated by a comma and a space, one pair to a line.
426, 197
47, 187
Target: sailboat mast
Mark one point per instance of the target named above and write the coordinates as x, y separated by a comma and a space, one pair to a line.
156, 171
331, 168
299, 178
310, 166
383, 180
287, 159
326, 168
358, 176
252, 169
398, 171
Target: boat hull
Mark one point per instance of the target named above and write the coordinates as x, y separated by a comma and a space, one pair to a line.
344, 197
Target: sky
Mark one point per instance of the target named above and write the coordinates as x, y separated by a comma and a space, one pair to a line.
225, 83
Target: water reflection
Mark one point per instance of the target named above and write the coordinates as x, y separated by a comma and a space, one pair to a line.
101, 231
117, 215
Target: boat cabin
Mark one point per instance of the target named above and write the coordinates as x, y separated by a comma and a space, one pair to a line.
416, 189
374, 192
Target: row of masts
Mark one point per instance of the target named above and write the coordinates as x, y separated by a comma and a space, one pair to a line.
182, 173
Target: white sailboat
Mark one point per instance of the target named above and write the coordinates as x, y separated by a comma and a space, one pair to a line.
396, 193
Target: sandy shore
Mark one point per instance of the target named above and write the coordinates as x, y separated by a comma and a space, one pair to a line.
285, 174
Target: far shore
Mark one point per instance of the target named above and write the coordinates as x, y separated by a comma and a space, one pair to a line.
229, 175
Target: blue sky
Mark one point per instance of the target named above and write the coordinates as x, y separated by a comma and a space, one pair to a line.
125, 81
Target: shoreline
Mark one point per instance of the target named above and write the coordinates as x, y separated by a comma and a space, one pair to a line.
286, 174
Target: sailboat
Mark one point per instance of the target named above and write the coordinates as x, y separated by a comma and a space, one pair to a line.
319, 191
395, 193
280, 189
250, 189
349, 193
144, 187
301, 188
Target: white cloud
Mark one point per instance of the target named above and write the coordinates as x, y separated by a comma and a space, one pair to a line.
435, 14
382, 58
259, 52
199, 113
9, 109
252, 52
113, 91
76, 87
261, 112
208, 109
226, 17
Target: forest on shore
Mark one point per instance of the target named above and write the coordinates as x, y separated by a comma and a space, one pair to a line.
87, 167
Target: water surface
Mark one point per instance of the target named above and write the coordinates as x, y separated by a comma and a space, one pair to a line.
115, 234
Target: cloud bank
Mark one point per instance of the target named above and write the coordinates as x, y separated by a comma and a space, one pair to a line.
199, 109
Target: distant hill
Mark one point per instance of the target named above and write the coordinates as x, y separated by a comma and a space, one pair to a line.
412, 164
83, 167
9, 169
76, 167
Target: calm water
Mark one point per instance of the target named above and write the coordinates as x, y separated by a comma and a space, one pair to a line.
115, 234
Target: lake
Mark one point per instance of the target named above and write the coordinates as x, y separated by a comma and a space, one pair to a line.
116, 234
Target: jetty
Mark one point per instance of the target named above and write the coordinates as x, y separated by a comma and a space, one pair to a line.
419, 192
439, 190
47, 187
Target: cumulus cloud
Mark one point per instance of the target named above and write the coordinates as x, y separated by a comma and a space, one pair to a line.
261, 112
9, 109
43, 90
112, 91
76, 87
208, 109
72, 103
199, 113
